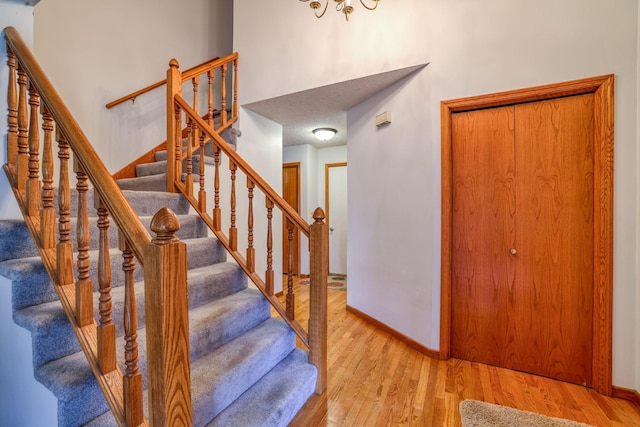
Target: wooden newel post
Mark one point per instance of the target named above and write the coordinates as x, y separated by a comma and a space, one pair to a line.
167, 320
319, 269
174, 131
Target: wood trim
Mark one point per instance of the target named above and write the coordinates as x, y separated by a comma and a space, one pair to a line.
326, 186
296, 246
626, 394
405, 339
602, 88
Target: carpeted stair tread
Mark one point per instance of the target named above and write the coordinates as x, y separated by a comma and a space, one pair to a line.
211, 326
31, 284
48, 323
144, 183
12, 231
146, 203
225, 374
276, 398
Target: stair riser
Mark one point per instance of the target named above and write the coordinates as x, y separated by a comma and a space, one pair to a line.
160, 167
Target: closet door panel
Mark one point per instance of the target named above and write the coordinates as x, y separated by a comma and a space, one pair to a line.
483, 233
554, 237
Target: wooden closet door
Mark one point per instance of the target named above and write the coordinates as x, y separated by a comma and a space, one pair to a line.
483, 232
554, 238
522, 243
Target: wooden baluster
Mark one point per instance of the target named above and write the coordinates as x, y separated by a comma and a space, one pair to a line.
191, 130
251, 252
48, 213
22, 159
291, 298
195, 82
223, 103
106, 327
202, 194
84, 285
12, 107
233, 231
178, 143
269, 275
235, 88
174, 137
33, 183
167, 315
64, 249
319, 271
210, 98
217, 219
132, 381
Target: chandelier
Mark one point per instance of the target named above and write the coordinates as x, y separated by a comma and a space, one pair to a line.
343, 6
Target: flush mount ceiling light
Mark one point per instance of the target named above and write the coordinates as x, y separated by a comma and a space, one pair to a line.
324, 134
343, 6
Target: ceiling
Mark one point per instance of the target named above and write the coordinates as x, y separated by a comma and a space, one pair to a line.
301, 112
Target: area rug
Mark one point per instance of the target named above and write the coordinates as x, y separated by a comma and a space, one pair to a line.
482, 414
335, 281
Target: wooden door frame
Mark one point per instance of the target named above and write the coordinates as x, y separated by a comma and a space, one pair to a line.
602, 88
296, 264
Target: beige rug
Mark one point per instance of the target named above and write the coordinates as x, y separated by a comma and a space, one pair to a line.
334, 281
482, 414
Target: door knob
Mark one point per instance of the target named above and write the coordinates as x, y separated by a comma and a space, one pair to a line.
513, 251
331, 228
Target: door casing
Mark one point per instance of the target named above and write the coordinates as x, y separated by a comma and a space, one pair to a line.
602, 88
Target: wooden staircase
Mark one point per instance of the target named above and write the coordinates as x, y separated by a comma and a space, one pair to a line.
183, 340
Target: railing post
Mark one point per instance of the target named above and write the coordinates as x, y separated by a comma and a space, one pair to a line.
167, 320
12, 109
174, 87
319, 270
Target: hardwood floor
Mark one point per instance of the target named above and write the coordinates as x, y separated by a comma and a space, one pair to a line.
377, 380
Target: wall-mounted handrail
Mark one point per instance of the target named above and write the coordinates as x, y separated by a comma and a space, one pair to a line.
149, 88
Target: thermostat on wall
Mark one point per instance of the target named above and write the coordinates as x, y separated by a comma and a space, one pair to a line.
383, 119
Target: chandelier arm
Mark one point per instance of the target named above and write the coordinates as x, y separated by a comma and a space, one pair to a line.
369, 7
325, 9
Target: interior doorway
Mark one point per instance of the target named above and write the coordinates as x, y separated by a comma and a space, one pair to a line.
336, 212
291, 194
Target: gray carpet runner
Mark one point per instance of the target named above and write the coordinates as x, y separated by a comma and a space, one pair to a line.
245, 367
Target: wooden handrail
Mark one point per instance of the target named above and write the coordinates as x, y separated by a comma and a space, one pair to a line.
109, 192
192, 71
282, 204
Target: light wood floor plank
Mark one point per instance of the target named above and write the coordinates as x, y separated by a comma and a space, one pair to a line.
377, 380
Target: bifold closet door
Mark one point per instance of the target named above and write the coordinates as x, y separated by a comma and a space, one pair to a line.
522, 256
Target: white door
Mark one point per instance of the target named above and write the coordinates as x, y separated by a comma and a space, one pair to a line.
336, 197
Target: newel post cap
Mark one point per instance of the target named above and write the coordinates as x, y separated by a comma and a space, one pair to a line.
319, 216
165, 224
174, 63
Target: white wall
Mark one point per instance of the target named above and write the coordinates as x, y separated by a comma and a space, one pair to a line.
500, 45
23, 400
473, 48
20, 17
114, 48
